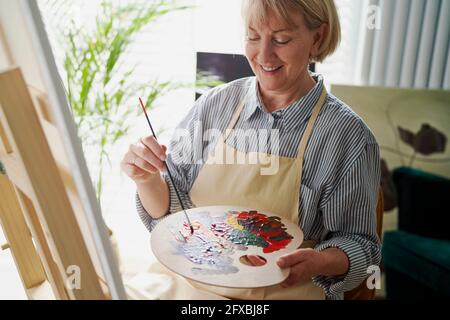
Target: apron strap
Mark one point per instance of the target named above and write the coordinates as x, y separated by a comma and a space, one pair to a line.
235, 118
306, 134
311, 123
309, 128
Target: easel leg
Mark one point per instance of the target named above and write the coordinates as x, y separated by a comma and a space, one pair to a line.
19, 238
50, 265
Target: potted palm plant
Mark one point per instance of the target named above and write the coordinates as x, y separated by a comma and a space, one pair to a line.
100, 88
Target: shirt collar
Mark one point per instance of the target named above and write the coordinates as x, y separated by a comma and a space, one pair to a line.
292, 115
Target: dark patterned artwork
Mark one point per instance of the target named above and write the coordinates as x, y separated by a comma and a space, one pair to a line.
217, 68
411, 127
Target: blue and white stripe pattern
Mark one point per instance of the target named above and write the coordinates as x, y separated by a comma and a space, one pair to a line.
341, 172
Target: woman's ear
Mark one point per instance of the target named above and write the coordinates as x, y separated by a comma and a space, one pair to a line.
318, 37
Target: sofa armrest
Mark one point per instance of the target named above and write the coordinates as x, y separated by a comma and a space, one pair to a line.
423, 203
416, 267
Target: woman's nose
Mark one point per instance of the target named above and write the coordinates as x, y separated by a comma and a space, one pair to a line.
266, 51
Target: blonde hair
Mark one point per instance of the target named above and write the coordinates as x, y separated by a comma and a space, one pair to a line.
315, 13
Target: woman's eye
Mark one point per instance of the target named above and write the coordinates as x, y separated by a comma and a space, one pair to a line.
281, 41
252, 38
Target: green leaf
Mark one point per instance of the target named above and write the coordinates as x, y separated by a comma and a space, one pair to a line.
103, 143
100, 90
118, 135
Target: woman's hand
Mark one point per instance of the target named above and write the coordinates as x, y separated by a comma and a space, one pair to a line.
144, 159
305, 264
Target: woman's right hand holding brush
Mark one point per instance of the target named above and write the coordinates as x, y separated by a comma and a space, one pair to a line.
143, 163
144, 159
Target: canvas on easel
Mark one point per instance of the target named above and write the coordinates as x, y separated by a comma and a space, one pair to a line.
49, 212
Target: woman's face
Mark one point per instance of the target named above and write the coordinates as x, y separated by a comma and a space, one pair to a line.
279, 53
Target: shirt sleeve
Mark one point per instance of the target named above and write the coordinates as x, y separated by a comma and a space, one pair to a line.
174, 205
350, 219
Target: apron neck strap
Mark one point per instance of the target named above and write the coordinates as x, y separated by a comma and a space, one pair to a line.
235, 117
306, 135
312, 120
308, 130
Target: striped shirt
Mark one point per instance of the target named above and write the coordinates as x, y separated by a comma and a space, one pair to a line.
341, 171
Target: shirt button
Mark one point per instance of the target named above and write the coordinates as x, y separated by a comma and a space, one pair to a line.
277, 115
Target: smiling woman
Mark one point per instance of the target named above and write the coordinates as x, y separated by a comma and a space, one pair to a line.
328, 160
282, 40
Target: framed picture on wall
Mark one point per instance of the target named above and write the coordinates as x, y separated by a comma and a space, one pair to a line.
214, 69
411, 127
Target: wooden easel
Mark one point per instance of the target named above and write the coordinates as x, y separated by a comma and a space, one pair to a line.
39, 199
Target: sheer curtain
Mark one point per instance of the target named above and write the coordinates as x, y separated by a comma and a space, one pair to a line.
340, 68
410, 49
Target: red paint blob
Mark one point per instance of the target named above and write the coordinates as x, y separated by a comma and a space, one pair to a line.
268, 228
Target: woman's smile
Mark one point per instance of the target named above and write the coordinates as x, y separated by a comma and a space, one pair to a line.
270, 69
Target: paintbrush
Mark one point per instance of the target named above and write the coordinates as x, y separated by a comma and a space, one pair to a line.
167, 167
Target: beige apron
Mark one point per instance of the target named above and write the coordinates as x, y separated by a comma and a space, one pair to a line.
244, 185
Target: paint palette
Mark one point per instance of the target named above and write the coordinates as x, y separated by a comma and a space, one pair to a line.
232, 247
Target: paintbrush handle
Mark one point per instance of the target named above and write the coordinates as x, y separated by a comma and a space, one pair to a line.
176, 191
167, 167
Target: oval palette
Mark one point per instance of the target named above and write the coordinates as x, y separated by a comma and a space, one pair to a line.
233, 247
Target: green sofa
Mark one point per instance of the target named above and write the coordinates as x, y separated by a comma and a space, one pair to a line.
416, 258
